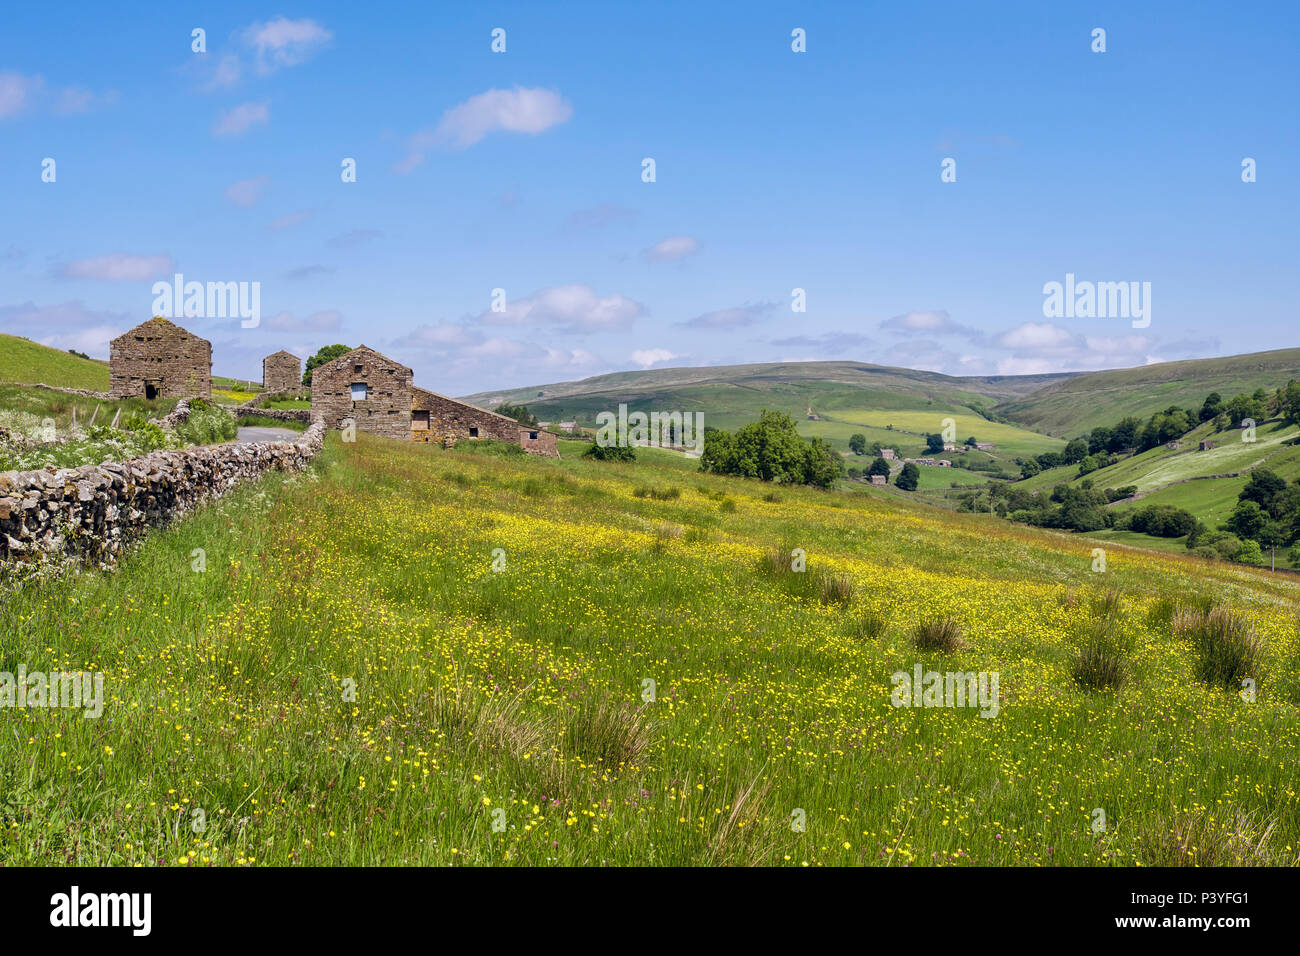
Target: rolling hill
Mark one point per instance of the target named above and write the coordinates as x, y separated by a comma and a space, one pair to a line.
28, 362
1076, 405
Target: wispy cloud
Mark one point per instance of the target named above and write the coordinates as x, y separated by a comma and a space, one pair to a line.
736, 317
354, 238
672, 249
600, 215
283, 42
117, 267
520, 110
644, 358
19, 93
306, 272
289, 220
240, 119
246, 192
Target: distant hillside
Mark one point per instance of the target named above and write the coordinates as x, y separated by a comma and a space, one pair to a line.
845, 397
1080, 403
22, 360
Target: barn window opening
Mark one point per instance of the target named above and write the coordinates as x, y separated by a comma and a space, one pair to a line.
533, 436
359, 390
356, 368
473, 433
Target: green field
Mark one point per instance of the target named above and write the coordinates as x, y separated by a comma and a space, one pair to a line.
350, 682
26, 362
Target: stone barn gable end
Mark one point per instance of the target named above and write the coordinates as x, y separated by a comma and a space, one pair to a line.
281, 372
159, 359
367, 387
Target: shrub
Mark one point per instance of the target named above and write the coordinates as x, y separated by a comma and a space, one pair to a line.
1101, 659
834, 587
938, 634
1226, 646
207, 424
671, 493
608, 732
610, 453
869, 625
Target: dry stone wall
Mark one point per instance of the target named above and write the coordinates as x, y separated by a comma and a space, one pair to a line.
95, 511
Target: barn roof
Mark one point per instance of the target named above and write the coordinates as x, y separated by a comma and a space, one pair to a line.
159, 326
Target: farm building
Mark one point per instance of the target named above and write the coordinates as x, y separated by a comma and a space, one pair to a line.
1206, 444
379, 396
281, 372
879, 480
985, 446
159, 359
888, 454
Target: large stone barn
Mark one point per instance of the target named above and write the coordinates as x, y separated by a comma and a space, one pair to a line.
369, 388
281, 372
159, 359
377, 393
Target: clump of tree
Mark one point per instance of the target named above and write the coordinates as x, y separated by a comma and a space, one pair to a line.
773, 450
858, 443
1266, 518
326, 353
1159, 521
519, 413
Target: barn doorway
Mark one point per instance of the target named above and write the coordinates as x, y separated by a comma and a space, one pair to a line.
150, 390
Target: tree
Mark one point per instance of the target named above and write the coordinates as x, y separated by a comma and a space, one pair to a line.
773, 450
1076, 451
1289, 403
327, 353
908, 478
934, 443
879, 467
1212, 407
1247, 521
519, 413
858, 443
1262, 487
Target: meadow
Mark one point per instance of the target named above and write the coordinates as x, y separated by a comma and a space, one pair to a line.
410, 655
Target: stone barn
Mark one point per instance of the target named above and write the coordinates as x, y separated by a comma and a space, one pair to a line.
377, 393
159, 359
437, 418
281, 372
371, 389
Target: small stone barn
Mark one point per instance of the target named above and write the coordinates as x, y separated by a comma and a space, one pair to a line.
369, 388
437, 418
377, 393
159, 359
281, 372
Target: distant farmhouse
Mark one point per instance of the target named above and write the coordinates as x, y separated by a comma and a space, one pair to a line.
159, 359
281, 372
879, 480
985, 446
888, 454
1206, 444
378, 394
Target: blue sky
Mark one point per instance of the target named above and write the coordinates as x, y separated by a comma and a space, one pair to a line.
775, 170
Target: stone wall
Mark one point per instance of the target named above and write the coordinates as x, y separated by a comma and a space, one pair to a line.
384, 410
95, 511
444, 420
279, 414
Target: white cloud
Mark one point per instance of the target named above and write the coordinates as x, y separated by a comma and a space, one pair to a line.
117, 267
283, 42
1037, 336
225, 74
242, 118
519, 110
575, 308
647, 357
247, 191
672, 249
